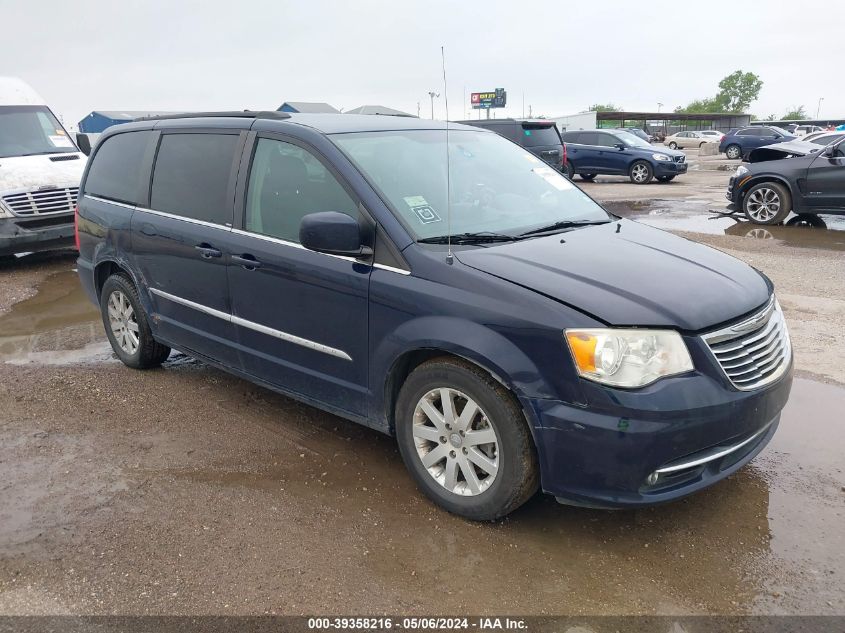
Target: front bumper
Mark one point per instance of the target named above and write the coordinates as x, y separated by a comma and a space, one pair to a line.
666, 168
690, 430
40, 233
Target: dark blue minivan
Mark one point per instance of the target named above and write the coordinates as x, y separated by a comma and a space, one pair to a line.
620, 153
509, 332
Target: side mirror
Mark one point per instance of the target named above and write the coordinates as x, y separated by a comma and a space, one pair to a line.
332, 233
829, 151
83, 142
620, 146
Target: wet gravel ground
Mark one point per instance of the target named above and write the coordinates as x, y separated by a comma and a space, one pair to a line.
186, 491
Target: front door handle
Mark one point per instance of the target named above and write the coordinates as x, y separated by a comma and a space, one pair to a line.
247, 261
207, 251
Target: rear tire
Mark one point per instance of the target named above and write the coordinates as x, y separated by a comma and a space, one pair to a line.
480, 465
733, 152
587, 177
641, 173
126, 325
570, 170
665, 178
767, 203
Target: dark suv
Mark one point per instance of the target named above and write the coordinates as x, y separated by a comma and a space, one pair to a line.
798, 178
739, 141
506, 329
538, 136
614, 152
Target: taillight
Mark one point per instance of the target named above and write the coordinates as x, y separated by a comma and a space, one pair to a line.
563, 163
723, 138
76, 225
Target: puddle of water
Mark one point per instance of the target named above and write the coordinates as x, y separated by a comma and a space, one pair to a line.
826, 232
55, 326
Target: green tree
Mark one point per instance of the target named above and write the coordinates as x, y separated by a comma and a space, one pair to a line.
702, 105
738, 90
795, 114
604, 107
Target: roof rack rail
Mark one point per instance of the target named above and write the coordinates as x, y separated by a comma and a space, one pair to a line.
242, 114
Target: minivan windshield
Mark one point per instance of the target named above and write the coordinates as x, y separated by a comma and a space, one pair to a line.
495, 186
30, 130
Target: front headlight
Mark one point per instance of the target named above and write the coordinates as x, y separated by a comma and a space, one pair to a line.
628, 358
661, 157
742, 169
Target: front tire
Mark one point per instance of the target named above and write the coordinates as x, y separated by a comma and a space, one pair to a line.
465, 440
641, 173
733, 152
673, 145
126, 325
570, 170
665, 178
767, 203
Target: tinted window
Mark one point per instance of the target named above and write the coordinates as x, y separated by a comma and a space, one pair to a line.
751, 131
511, 132
115, 171
606, 140
589, 138
824, 140
191, 176
287, 183
572, 137
535, 135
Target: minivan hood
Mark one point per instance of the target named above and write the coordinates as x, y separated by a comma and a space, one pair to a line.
23, 173
627, 273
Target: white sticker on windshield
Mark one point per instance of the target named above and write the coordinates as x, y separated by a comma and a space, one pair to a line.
415, 201
60, 141
552, 177
425, 214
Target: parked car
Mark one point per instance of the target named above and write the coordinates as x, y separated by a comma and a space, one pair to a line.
794, 177
822, 138
711, 135
538, 136
682, 140
592, 152
40, 168
803, 130
509, 332
648, 138
739, 141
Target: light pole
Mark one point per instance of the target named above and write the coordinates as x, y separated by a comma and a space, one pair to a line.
659, 105
819, 109
433, 94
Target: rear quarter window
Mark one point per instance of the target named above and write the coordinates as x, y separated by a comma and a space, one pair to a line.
191, 176
533, 136
571, 137
116, 171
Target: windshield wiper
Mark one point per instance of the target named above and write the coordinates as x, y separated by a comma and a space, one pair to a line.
564, 224
469, 238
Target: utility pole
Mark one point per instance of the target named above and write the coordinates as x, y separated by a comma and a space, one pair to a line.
530, 111
659, 105
432, 94
819, 109
418, 109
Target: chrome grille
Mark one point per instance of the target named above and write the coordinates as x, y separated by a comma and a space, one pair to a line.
42, 201
754, 352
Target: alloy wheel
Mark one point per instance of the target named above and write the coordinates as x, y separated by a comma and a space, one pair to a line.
455, 441
733, 152
639, 173
123, 323
763, 204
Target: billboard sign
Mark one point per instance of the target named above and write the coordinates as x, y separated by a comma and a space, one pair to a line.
498, 98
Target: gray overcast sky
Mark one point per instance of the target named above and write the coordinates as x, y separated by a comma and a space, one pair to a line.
84, 55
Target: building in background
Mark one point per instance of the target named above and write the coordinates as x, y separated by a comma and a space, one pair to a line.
307, 107
99, 120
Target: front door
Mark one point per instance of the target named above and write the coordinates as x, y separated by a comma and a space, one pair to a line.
180, 243
611, 159
301, 317
826, 180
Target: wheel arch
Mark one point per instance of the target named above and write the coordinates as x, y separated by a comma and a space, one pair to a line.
758, 179
108, 267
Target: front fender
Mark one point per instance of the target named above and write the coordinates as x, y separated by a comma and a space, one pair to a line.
479, 344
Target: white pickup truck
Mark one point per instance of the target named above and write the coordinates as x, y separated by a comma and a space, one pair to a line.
40, 169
